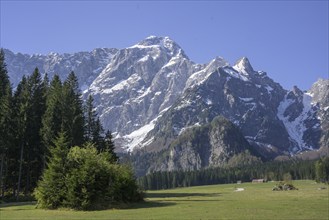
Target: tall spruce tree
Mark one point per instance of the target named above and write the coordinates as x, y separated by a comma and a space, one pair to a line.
98, 134
4, 78
5, 118
28, 108
94, 131
110, 147
51, 188
90, 118
34, 150
22, 104
52, 119
72, 111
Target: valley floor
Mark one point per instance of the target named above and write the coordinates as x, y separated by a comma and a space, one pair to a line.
227, 201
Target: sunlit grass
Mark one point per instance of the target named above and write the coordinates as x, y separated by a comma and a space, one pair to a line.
257, 201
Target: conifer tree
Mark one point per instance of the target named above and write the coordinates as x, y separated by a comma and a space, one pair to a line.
5, 117
98, 134
322, 170
34, 150
51, 188
52, 119
90, 119
4, 78
72, 112
94, 131
45, 88
22, 104
110, 147
28, 108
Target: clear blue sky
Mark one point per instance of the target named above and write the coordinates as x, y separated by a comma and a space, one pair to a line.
287, 39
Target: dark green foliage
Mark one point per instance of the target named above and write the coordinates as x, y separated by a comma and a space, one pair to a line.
91, 117
27, 150
51, 191
243, 159
31, 120
22, 106
298, 169
5, 119
87, 180
52, 119
88, 177
34, 148
4, 78
94, 131
109, 147
93, 127
322, 170
72, 111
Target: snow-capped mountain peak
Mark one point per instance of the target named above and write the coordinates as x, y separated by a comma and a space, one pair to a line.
199, 76
166, 43
243, 66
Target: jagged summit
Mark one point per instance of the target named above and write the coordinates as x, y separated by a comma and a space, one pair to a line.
297, 91
166, 43
155, 40
243, 66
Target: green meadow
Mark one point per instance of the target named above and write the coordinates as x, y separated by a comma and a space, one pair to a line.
256, 201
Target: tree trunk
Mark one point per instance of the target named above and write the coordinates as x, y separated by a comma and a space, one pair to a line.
4, 176
1, 174
20, 172
28, 178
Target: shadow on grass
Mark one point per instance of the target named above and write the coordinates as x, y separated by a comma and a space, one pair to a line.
168, 199
140, 205
17, 204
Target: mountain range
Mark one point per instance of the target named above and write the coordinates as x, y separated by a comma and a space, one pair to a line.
172, 113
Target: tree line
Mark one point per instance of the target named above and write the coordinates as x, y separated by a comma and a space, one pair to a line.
32, 117
274, 170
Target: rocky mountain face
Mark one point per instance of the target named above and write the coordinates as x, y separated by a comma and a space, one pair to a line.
212, 144
87, 65
250, 101
140, 84
153, 97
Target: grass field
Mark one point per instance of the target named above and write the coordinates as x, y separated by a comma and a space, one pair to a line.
256, 201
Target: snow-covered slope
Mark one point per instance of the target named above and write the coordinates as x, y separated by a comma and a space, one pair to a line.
296, 126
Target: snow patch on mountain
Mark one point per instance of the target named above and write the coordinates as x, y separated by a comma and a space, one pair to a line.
200, 76
236, 74
184, 104
246, 99
136, 139
124, 84
209, 102
297, 127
